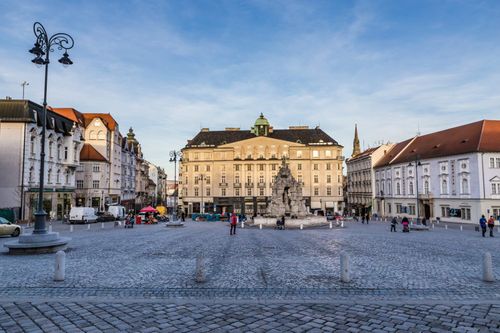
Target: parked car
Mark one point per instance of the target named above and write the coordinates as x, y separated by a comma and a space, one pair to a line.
82, 215
9, 228
117, 211
105, 217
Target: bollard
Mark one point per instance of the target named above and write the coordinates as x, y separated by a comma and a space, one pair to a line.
498, 229
301, 226
200, 270
88, 226
50, 227
341, 224
331, 226
344, 267
71, 228
433, 226
242, 225
461, 228
102, 225
60, 266
488, 268
120, 223
446, 226
260, 226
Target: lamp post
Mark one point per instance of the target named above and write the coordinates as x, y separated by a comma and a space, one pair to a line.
24, 84
202, 206
175, 156
417, 164
43, 46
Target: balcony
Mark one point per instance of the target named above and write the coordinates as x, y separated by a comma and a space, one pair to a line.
223, 184
261, 185
237, 185
249, 185
427, 195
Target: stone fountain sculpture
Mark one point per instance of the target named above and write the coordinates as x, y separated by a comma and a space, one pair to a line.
286, 199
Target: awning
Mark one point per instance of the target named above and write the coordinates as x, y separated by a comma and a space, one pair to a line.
315, 204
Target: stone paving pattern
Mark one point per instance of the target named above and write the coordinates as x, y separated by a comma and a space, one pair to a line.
142, 280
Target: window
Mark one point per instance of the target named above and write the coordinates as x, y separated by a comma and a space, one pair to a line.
196, 192
186, 182
315, 166
50, 149
328, 178
236, 191
389, 207
316, 191
95, 184
299, 166
100, 135
261, 167
92, 135
492, 162
79, 184
207, 168
249, 179
223, 192
261, 192
58, 177
316, 179
495, 188
32, 145
338, 178
315, 153
30, 179
426, 187
208, 191
399, 208
273, 167
410, 188
237, 167
328, 191
249, 191
498, 162
249, 167
444, 186
299, 179
398, 188
261, 179
96, 168
328, 166
465, 213
328, 153
207, 178
58, 152
49, 176
411, 209
65, 153
340, 191
196, 168
196, 156
196, 180
237, 179
465, 186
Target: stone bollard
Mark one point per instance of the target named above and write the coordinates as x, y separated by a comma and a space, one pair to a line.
498, 229
200, 270
50, 227
301, 226
260, 226
341, 224
71, 228
461, 228
488, 268
60, 266
331, 225
242, 225
88, 226
344, 267
446, 227
102, 225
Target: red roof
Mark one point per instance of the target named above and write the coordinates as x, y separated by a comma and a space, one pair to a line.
481, 136
69, 113
89, 153
107, 118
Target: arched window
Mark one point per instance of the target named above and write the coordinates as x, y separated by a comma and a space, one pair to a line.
426, 187
398, 188
31, 174
32, 144
410, 188
100, 135
67, 177
51, 150
444, 186
58, 177
465, 186
92, 135
49, 176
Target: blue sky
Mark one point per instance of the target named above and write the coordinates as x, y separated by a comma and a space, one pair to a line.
168, 68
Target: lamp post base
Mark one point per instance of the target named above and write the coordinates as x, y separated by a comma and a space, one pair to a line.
38, 243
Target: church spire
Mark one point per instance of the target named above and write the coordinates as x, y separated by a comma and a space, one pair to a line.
355, 149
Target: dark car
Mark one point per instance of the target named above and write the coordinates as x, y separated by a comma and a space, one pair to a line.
105, 217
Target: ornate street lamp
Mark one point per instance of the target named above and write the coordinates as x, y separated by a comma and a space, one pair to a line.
174, 157
42, 48
417, 164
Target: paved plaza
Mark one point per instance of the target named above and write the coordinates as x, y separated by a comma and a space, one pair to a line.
142, 279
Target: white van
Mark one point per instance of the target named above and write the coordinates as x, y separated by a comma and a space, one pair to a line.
117, 211
82, 215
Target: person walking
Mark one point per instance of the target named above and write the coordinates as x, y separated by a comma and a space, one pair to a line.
367, 218
482, 223
406, 224
394, 222
233, 222
363, 218
183, 217
491, 225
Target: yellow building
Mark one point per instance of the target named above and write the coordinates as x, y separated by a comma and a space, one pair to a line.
233, 170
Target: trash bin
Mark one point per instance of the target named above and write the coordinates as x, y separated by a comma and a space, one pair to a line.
138, 219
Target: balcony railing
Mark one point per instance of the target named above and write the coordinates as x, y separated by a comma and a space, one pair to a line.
223, 184
248, 185
237, 185
261, 185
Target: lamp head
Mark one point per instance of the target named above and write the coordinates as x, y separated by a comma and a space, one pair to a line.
65, 60
39, 60
37, 50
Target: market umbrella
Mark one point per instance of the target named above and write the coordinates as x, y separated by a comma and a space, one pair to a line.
148, 209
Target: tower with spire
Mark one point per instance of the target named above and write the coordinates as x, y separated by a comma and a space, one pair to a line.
356, 149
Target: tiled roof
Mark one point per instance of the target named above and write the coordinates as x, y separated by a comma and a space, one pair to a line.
304, 136
481, 136
89, 153
70, 114
107, 118
362, 154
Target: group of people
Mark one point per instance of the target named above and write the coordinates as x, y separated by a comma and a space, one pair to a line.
404, 222
490, 223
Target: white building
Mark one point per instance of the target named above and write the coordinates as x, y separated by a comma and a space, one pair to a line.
457, 171
20, 146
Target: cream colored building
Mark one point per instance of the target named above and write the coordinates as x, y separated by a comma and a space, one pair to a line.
233, 170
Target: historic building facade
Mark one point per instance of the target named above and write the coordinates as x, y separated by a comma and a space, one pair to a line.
360, 176
234, 170
453, 175
20, 146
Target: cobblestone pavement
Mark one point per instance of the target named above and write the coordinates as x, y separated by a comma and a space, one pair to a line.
142, 280
168, 317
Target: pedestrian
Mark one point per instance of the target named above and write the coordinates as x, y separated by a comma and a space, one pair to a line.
283, 221
233, 223
491, 225
405, 224
363, 218
394, 222
367, 218
183, 217
482, 223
